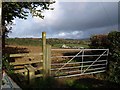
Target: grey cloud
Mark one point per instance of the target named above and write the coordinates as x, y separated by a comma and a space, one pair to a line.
86, 18
93, 16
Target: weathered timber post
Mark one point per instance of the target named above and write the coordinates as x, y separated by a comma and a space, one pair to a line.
26, 74
30, 73
44, 52
48, 60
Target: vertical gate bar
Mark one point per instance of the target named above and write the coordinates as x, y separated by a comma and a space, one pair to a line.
95, 61
44, 52
68, 61
107, 56
82, 60
107, 60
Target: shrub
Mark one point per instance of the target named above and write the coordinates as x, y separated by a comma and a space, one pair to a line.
6, 65
112, 42
99, 41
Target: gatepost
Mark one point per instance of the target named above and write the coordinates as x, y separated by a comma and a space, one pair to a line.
46, 50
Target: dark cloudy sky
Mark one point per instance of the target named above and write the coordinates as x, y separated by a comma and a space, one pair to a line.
74, 20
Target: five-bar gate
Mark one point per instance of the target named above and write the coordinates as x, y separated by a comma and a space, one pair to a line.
79, 62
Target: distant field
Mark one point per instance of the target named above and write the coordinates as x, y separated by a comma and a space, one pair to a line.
54, 42
24, 41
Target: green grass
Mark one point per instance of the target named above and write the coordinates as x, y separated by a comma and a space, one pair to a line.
71, 45
52, 83
54, 42
24, 41
68, 84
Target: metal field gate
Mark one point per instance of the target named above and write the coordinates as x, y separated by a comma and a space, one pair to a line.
76, 62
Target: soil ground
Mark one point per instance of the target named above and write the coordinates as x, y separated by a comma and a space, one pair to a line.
15, 49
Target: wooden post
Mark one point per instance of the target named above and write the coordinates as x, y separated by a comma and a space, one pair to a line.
44, 52
30, 73
48, 60
26, 73
46, 49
